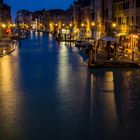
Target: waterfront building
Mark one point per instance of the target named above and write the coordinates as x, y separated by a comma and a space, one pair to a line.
84, 3
73, 19
79, 15
127, 16
108, 17
23, 19
56, 18
97, 7
86, 21
39, 19
6, 14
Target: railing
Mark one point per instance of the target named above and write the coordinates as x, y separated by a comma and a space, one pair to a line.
116, 57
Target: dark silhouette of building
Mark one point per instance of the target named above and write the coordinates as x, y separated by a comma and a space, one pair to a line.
6, 13
83, 2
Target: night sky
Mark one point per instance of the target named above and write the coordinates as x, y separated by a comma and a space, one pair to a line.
33, 5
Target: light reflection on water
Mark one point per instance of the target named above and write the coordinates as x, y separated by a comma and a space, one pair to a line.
51, 94
114, 100
10, 99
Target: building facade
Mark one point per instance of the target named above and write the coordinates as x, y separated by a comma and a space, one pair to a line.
39, 20
6, 14
56, 19
98, 17
127, 16
23, 19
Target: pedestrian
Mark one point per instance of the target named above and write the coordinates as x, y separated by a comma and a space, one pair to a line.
108, 48
59, 37
7, 32
115, 50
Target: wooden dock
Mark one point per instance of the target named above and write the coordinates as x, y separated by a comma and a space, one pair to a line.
114, 64
117, 60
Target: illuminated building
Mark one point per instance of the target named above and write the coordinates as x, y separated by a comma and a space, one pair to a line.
127, 16
56, 18
74, 15
39, 18
86, 21
23, 18
98, 17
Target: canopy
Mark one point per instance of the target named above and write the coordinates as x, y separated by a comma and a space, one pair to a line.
110, 39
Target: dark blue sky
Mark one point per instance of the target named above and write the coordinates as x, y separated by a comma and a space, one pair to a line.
37, 4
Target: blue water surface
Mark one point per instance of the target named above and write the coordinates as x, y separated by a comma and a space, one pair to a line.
47, 92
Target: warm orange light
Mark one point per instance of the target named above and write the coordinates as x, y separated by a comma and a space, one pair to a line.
135, 36
114, 24
3, 26
14, 25
93, 24
70, 25
82, 24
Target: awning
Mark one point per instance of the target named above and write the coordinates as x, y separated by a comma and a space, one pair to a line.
121, 34
110, 39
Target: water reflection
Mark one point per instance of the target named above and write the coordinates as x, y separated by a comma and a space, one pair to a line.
31, 35
63, 67
10, 100
36, 35
41, 34
50, 37
47, 92
112, 101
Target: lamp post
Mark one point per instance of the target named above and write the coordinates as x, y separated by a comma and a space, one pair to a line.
113, 28
70, 30
92, 26
82, 31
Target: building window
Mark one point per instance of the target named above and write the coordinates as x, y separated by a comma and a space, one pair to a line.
119, 21
138, 20
132, 20
127, 20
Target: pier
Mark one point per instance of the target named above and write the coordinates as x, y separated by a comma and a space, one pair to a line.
117, 59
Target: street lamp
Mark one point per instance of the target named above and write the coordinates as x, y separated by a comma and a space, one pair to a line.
82, 24
83, 30
70, 31
113, 25
113, 28
70, 25
92, 25
3, 25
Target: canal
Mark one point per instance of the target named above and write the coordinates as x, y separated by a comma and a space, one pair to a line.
47, 92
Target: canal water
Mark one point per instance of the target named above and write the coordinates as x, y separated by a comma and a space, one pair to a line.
47, 92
